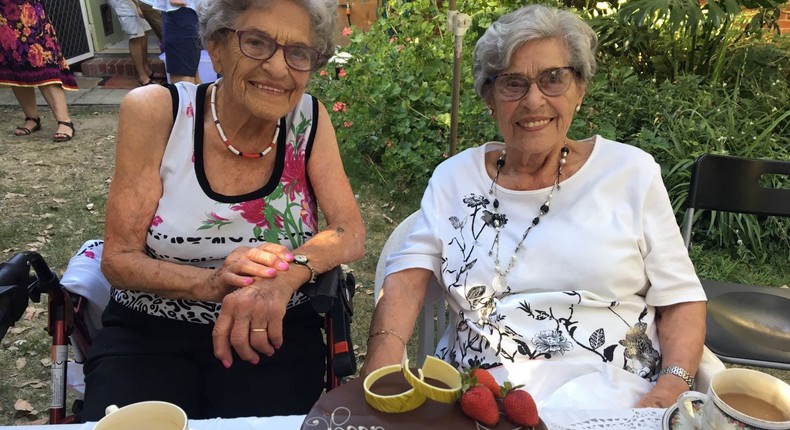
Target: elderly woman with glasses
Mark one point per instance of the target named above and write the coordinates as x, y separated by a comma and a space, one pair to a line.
212, 224
560, 259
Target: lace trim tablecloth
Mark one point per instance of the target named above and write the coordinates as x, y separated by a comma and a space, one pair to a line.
559, 419
642, 419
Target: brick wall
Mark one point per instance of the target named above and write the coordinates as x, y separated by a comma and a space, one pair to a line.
784, 21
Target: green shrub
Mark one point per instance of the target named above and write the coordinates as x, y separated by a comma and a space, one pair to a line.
393, 110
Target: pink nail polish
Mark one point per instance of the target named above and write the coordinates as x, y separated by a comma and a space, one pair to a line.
271, 272
289, 257
248, 281
282, 265
226, 363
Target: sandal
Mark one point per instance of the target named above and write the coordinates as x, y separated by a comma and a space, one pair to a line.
143, 84
63, 137
24, 131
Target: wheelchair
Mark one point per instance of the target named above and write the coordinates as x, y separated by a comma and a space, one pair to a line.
77, 300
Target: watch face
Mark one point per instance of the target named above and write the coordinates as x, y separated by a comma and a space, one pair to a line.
300, 259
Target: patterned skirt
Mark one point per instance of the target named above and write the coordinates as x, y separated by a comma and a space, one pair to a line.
30, 54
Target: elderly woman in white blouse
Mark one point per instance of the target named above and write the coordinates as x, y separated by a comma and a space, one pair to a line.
561, 259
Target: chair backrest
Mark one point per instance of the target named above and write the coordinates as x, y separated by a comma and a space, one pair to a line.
746, 324
733, 184
434, 318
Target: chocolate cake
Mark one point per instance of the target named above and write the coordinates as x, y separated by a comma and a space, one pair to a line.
345, 407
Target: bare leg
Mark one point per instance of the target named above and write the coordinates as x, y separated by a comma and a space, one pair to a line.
138, 49
56, 99
26, 96
182, 78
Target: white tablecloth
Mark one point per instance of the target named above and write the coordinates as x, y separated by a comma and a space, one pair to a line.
556, 419
293, 422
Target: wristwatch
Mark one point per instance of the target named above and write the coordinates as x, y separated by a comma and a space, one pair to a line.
302, 260
680, 373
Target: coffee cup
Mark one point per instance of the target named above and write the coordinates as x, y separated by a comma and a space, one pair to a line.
153, 415
738, 399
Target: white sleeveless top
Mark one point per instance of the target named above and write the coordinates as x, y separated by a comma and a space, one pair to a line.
195, 225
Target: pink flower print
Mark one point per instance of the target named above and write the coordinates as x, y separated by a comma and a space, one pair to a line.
190, 111
156, 220
339, 107
308, 213
342, 73
7, 38
254, 211
213, 220
89, 254
11, 11
347, 31
348, 124
293, 177
36, 55
28, 15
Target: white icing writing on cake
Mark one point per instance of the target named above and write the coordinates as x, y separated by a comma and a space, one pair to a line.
337, 420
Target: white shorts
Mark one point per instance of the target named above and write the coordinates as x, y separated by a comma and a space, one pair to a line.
131, 23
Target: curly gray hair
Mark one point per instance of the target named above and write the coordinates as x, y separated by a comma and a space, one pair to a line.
495, 48
216, 15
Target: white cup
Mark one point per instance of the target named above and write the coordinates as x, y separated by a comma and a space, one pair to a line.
151, 415
739, 399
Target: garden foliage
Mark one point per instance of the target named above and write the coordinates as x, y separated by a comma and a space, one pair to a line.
675, 79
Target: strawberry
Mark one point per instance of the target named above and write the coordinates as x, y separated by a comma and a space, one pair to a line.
520, 408
477, 376
484, 378
479, 404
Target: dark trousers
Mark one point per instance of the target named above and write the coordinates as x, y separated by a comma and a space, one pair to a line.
139, 357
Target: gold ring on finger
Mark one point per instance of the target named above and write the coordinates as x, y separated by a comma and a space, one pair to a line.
258, 330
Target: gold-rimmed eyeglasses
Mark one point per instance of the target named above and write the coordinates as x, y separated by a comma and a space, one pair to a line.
260, 46
552, 82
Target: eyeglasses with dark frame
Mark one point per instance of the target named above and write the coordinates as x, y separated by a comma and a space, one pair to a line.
552, 82
260, 46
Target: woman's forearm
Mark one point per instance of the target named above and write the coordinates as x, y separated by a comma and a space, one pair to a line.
394, 317
681, 334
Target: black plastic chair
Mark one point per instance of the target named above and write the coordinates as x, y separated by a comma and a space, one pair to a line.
747, 324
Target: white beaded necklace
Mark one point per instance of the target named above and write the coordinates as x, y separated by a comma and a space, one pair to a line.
500, 279
230, 147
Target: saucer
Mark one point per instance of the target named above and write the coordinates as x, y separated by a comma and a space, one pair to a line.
671, 420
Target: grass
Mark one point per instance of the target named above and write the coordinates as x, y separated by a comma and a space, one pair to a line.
52, 199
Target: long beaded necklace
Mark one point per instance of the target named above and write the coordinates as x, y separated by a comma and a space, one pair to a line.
500, 279
230, 147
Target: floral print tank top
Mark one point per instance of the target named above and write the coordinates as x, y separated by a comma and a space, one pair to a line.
197, 226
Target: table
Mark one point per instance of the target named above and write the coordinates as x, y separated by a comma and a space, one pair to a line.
556, 419
293, 422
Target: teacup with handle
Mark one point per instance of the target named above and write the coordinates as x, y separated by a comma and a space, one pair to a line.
738, 399
152, 415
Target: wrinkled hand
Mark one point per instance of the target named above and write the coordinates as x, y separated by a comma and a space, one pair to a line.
259, 306
243, 266
664, 394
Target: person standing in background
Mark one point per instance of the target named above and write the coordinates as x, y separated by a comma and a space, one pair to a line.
182, 46
135, 27
30, 57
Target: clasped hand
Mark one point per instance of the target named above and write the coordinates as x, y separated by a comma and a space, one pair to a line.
254, 299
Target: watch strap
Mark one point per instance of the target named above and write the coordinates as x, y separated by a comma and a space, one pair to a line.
680, 373
306, 263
